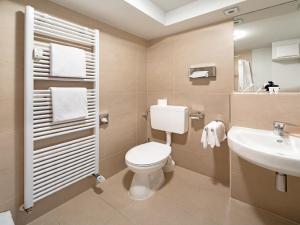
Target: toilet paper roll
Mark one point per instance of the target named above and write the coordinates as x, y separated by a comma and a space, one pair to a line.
162, 102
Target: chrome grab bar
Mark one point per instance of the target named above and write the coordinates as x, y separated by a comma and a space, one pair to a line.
197, 115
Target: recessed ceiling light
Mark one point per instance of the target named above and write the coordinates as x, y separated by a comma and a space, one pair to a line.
239, 34
231, 11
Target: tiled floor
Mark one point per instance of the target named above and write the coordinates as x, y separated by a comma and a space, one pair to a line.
187, 198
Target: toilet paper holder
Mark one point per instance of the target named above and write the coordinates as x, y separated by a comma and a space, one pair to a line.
103, 118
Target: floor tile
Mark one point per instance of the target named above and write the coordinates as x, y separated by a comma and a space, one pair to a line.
242, 213
186, 198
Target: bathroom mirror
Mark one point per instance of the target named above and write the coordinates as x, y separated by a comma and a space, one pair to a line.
267, 49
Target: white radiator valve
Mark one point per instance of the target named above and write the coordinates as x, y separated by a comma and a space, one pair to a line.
99, 178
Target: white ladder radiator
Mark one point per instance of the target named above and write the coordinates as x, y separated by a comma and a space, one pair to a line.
49, 166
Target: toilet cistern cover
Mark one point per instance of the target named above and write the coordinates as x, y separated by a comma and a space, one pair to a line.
149, 153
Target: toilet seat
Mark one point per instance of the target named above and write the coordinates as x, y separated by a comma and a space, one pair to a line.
148, 154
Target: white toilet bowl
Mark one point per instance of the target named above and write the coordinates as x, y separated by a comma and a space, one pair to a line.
146, 161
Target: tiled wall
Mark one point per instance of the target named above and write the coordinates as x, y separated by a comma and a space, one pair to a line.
253, 184
122, 94
168, 61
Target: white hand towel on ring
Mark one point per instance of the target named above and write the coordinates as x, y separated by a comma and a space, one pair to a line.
208, 137
219, 132
213, 134
204, 137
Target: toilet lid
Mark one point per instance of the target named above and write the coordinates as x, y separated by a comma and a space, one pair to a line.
149, 153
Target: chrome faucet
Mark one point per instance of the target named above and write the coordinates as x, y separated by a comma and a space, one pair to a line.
278, 128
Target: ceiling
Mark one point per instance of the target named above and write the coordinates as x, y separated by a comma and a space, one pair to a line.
168, 5
260, 29
151, 19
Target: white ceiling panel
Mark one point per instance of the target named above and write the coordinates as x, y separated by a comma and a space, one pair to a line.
149, 21
168, 5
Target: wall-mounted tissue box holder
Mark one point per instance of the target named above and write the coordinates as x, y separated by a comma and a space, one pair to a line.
202, 71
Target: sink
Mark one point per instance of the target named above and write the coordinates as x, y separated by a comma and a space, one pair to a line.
265, 149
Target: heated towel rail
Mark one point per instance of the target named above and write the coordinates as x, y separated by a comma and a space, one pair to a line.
52, 167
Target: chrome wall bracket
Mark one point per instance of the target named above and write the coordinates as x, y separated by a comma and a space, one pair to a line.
197, 115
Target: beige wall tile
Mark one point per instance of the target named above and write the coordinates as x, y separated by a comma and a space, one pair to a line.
160, 82
213, 163
120, 135
141, 69
7, 114
203, 46
168, 61
117, 103
263, 109
142, 130
214, 106
113, 164
7, 166
142, 118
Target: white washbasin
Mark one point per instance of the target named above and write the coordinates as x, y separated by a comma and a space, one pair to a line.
265, 149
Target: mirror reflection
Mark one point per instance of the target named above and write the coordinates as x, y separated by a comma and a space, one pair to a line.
267, 50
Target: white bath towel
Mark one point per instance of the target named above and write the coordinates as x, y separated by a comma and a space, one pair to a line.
68, 103
67, 61
6, 218
204, 137
198, 74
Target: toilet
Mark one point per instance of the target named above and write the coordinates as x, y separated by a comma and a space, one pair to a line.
149, 161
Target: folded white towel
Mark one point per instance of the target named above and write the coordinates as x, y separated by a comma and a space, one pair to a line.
219, 132
197, 74
67, 61
204, 137
208, 137
213, 134
68, 103
211, 141
6, 218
